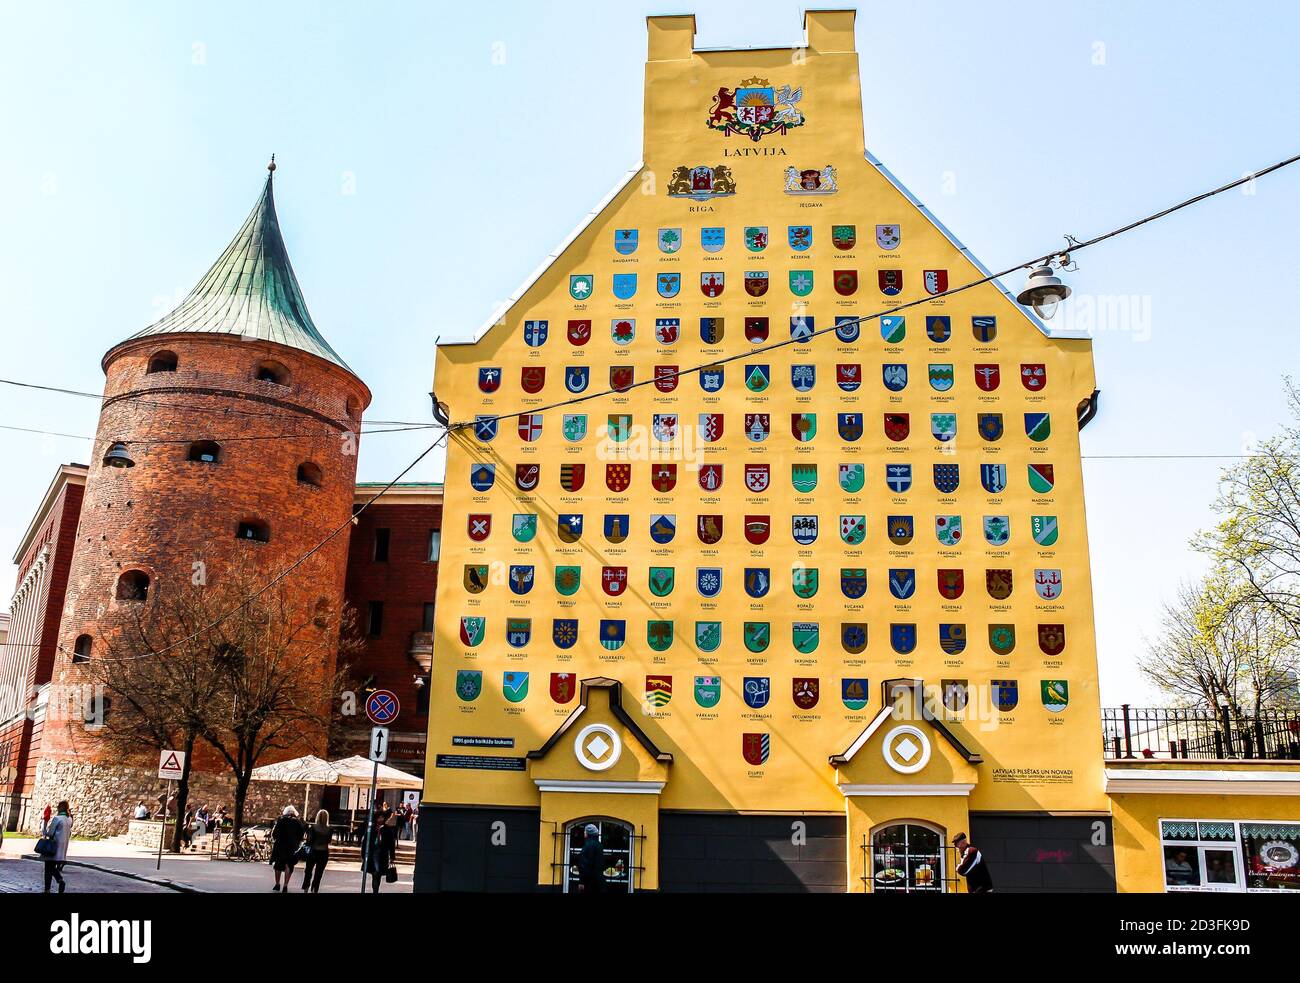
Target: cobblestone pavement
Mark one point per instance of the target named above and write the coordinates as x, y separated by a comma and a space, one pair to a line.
19, 876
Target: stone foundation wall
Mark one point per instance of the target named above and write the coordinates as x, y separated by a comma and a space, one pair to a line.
103, 797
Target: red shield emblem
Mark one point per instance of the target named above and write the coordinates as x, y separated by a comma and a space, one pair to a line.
708, 528
846, 282
756, 284
988, 377
572, 476
527, 476
755, 747
621, 377
758, 477
579, 332
666, 378
711, 427
758, 528
479, 527
1034, 376
936, 281
663, 477
1051, 639
998, 583
897, 426
711, 477
618, 477
532, 378
755, 329
951, 584
891, 282
530, 426
712, 284
564, 686
613, 580
848, 375
806, 692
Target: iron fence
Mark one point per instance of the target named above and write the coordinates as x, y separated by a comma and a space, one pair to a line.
1138, 732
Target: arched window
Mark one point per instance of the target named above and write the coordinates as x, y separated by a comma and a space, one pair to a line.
354, 408
254, 530
118, 457
617, 843
163, 361
81, 650
310, 474
907, 858
205, 451
133, 585
269, 370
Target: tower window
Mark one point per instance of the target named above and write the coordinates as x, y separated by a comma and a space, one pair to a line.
375, 619
354, 408
382, 537
435, 544
205, 451
162, 362
269, 370
81, 650
118, 457
310, 474
133, 585
255, 530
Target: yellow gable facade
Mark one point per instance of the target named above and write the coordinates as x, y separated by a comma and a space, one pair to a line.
690, 469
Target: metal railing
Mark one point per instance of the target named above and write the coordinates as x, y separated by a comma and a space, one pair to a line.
1135, 732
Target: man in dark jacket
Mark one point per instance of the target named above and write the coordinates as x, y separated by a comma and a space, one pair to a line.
591, 863
972, 866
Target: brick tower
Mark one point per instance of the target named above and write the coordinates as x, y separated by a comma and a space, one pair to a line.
228, 436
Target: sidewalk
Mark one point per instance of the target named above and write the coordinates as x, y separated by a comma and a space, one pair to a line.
196, 872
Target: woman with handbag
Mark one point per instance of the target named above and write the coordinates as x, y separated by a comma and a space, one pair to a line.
317, 847
286, 837
53, 845
383, 847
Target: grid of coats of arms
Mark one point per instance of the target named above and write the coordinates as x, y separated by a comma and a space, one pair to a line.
941, 331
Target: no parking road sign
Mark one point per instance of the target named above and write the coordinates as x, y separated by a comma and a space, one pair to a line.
382, 707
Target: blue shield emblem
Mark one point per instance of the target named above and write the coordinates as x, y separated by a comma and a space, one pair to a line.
624, 285
854, 693
802, 327
894, 376
804, 529
997, 529
853, 637
850, 426
902, 583
521, 579
952, 638
535, 333
853, 583
946, 478
1006, 693
613, 633
848, 329
626, 241
902, 638
712, 240
757, 378
990, 426
576, 378
757, 581
941, 377
519, 631
569, 527
801, 237
993, 477
616, 527
757, 691
898, 477
985, 329
893, 328
482, 476
663, 528
711, 379
669, 284
670, 240
708, 581
711, 330
938, 327
803, 377
485, 428
1038, 426
900, 528
564, 632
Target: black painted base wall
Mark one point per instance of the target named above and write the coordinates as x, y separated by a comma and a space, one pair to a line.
1046, 854
455, 850
702, 852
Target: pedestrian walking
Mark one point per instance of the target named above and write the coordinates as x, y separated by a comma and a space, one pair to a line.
383, 846
591, 863
286, 837
972, 866
53, 845
317, 843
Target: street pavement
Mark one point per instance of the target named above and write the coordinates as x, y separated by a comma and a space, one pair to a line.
19, 876
187, 872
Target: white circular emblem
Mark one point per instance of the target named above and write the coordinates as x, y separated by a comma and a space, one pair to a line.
597, 747
906, 749
1279, 854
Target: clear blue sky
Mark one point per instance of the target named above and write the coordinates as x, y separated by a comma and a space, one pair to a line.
431, 154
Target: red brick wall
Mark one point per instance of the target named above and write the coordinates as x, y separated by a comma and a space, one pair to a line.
404, 584
166, 513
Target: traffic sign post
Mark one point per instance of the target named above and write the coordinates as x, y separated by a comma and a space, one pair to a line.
382, 708
378, 745
171, 765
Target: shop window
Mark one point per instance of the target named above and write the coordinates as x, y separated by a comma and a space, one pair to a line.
1226, 855
382, 537
617, 843
163, 361
269, 370
310, 474
907, 858
254, 530
204, 452
81, 650
133, 585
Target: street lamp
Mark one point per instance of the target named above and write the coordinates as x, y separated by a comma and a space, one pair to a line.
1043, 291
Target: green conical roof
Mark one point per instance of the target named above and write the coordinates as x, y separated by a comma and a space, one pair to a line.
251, 291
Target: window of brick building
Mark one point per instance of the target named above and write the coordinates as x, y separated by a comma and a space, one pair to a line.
428, 617
382, 537
255, 530
81, 650
133, 585
375, 619
205, 452
435, 544
163, 361
310, 474
269, 370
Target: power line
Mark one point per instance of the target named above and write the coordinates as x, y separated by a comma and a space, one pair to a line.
136, 442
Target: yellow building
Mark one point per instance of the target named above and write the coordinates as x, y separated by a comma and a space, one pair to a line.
774, 597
